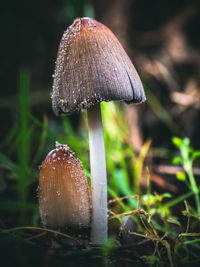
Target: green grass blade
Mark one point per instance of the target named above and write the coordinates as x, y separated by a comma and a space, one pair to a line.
178, 199
148, 189
42, 142
52, 135
6, 163
161, 113
10, 135
23, 154
139, 165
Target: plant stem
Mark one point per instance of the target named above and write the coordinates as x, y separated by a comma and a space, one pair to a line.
98, 176
194, 189
22, 134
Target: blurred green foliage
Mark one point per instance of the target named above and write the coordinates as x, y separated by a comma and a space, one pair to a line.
186, 158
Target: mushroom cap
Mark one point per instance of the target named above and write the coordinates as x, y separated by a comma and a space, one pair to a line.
91, 67
63, 190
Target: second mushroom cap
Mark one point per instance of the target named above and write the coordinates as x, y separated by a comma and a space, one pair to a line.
63, 190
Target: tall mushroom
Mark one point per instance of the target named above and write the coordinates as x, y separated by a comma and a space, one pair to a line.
92, 67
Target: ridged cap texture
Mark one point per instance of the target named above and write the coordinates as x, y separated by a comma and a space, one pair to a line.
91, 67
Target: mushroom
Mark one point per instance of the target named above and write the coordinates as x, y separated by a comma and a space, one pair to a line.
92, 67
63, 191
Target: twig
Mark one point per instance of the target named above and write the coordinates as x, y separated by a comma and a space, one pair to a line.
122, 198
39, 229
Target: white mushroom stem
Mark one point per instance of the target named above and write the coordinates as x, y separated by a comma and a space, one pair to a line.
98, 176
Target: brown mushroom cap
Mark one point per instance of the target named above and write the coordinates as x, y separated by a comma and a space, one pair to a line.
63, 190
91, 67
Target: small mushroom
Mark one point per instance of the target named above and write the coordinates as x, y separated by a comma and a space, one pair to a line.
92, 67
63, 191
